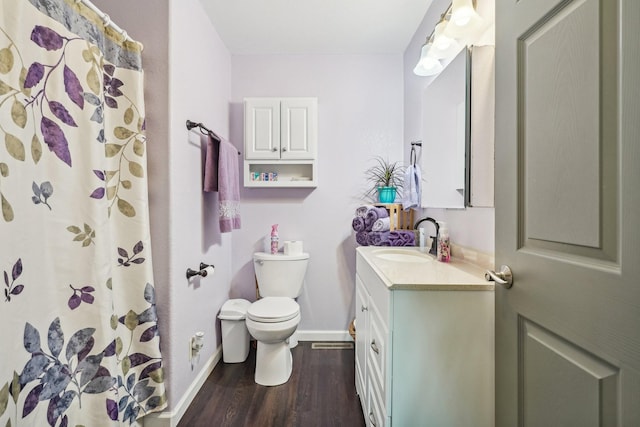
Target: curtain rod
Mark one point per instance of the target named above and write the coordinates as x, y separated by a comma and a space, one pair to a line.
105, 18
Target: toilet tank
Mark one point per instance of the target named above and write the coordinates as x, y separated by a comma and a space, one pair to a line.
280, 275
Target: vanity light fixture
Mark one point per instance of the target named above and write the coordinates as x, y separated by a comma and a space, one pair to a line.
427, 65
459, 25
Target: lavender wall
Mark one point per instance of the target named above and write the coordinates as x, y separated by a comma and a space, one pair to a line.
359, 116
471, 227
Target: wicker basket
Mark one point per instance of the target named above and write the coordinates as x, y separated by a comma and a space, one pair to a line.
352, 329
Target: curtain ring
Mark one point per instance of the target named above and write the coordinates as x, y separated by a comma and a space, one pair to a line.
106, 20
124, 34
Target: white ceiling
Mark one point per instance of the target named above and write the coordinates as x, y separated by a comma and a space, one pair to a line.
316, 26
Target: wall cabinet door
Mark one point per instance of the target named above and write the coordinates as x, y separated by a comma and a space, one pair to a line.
298, 128
262, 128
280, 128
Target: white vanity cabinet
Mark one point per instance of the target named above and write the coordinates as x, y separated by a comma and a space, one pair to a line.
280, 138
424, 351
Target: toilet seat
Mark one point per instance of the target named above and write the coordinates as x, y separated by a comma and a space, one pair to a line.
273, 310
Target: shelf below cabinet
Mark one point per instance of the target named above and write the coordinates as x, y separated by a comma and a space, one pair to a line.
289, 174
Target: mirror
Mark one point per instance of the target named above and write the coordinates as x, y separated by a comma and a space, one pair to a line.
457, 133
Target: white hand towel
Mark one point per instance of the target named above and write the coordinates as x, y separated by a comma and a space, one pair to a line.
411, 193
362, 210
382, 224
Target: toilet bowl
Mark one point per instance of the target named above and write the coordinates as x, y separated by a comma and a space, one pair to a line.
275, 317
271, 321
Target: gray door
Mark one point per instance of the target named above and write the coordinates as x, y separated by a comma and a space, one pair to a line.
568, 212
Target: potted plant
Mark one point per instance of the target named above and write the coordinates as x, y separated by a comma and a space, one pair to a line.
385, 179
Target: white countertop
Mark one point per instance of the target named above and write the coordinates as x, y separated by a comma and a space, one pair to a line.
428, 274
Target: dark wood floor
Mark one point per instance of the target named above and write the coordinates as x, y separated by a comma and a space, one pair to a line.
320, 392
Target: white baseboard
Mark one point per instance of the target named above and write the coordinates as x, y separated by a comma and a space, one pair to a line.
323, 336
172, 418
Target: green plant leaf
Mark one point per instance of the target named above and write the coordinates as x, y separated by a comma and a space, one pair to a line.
74, 229
7, 210
4, 398
122, 132
111, 192
112, 150
36, 149
126, 365
15, 147
19, 114
131, 320
138, 147
136, 169
87, 56
128, 115
23, 77
126, 208
126, 184
4, 88
93, 81
15, 387
4, 170
6, 60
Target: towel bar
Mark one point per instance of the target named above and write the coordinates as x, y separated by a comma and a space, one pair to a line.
204, 130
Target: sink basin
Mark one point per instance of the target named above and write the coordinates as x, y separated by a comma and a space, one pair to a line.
401, 255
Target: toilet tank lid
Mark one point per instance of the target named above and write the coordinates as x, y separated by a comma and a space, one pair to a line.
264, 256
234, 309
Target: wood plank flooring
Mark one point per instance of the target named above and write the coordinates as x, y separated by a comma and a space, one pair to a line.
320, 392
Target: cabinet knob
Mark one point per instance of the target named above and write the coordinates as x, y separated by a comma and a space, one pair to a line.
274, 149
284, 149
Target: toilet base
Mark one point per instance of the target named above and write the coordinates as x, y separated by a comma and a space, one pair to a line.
273, 363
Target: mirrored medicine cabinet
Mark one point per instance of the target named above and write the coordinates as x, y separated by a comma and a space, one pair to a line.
458, 133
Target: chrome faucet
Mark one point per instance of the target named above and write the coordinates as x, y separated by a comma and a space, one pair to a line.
434, 239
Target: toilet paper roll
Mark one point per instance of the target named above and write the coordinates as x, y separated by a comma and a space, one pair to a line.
208, 271
293, 247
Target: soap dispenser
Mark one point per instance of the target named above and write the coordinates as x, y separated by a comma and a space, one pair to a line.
444, 247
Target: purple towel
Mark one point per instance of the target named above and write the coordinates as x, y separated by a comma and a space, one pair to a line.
373, 215
402, 238
210, 182
228, 187
361, 238
379, 238
358, 224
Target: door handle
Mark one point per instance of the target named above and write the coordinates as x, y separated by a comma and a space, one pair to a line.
374, 347
503, 277
363, 308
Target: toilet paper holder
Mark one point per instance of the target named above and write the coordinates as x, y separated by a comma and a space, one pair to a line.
203, 272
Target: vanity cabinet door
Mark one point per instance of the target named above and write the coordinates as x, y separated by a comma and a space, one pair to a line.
362, 340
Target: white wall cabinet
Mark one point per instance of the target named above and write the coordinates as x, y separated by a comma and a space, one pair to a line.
281, 136
423, 357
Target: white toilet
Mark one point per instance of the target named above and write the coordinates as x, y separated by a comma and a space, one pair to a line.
274, 318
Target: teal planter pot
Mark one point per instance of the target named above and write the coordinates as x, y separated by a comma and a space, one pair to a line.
386, 194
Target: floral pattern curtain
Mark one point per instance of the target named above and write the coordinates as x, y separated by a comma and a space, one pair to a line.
80, 344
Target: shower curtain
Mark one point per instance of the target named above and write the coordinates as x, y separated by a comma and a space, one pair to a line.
79, 342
